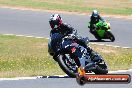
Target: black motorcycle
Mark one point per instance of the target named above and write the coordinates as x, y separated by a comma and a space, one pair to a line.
62, 51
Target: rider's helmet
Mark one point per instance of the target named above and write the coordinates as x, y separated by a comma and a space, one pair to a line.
95, 13
55, 21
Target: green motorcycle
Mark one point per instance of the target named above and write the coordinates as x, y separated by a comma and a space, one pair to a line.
102, 31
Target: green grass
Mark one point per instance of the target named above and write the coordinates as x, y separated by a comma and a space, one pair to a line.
22, 56
116, 58
123, 7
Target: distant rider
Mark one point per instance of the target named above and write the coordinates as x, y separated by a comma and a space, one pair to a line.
95, 18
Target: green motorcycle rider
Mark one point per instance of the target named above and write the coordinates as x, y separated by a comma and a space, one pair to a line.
95, 18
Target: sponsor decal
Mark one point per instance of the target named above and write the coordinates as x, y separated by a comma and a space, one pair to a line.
109, 78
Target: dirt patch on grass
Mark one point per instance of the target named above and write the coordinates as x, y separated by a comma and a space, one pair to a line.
107, 51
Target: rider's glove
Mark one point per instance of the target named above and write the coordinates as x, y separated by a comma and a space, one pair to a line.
94, 26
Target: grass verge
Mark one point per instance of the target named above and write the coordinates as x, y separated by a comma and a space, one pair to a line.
22, 56
123, 7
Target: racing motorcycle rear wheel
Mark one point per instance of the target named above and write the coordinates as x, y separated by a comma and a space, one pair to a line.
101, 67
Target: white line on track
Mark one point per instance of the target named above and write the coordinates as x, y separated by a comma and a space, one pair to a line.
17, 78
91, 43
111, 45
130, 70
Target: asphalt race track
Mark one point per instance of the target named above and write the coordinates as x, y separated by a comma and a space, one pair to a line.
35, 23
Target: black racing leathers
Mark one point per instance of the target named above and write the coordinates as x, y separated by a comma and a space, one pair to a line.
65, 30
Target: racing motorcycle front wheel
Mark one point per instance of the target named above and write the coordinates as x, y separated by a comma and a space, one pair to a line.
67, 64
111, 36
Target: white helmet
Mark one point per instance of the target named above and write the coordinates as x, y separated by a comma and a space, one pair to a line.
95, 13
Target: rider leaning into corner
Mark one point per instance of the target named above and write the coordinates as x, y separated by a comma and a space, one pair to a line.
58, 26
95, 18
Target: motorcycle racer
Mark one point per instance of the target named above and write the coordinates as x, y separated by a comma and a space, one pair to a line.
58, 26
95, 18
65, 29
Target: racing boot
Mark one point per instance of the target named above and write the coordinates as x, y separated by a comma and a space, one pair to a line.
95, 57
91, 66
